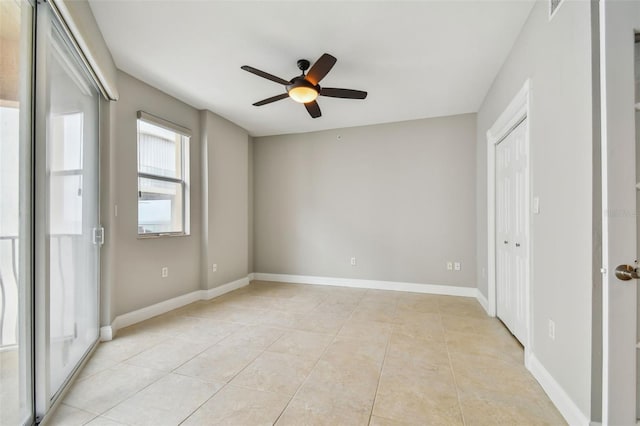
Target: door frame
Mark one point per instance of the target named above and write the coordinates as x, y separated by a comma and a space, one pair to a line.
517, 111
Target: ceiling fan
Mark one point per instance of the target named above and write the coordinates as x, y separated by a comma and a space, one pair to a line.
305, 88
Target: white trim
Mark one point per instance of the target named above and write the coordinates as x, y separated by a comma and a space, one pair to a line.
483, 301
569, 410
517, 110
225, 288
448, 290
108, 332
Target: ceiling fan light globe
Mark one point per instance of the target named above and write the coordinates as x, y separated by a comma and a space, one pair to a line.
303, 94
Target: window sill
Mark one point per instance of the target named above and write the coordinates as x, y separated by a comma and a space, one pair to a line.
161, 235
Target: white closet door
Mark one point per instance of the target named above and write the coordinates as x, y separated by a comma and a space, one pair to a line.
512, 239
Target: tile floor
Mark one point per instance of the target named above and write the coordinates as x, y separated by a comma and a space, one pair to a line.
284, 354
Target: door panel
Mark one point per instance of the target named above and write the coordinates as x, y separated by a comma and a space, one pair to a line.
68, 111
512, 243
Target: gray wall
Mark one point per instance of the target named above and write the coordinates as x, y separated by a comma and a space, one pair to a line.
135, 264
226, 200
399, 197
556, 55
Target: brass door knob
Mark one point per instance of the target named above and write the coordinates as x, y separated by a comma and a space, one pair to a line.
627, 272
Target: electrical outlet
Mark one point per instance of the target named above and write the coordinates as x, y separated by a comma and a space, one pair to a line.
165, 272
353, 261
456, 266
449, 266
552, 330
214, 268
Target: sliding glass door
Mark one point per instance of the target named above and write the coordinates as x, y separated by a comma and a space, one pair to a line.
67, 256
16, 331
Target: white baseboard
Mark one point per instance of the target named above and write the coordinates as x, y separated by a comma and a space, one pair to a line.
569, 410
108, 332
483, 301
448, 290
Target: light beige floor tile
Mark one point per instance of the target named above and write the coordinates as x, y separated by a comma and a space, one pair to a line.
205, 330
387, 358
369, 310
167, 324
380, 297
321, 322
431, 402
372, 331
410, 350
465, 324
280, 319
425, 374
218, 363
365, 353
497, 413
235, 314
426, 303
253, 337
275, 372
248, 300
302, 343
168, 355
337, 307
166, 402
96, 365
503, 347
239, 406
381, 421
106, 389
127, 343
464, 306
103, 421
322, 413
486, 377
70, 416
332, 384
297, 305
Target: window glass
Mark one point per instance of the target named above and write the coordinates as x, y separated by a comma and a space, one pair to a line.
162, 183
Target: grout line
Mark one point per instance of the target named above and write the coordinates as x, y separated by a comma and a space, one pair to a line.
455, 382
384, 359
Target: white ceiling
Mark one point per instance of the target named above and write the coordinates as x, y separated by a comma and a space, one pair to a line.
416, 59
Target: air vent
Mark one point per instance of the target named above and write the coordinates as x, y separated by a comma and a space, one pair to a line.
553, 6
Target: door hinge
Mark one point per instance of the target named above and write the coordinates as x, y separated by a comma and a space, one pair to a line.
98, 236
603, 271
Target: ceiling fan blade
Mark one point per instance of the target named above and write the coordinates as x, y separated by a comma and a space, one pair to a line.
321, 68
271, 99
265, 75
313, 108
342, 93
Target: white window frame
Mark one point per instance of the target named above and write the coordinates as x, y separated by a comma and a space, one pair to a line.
184, 181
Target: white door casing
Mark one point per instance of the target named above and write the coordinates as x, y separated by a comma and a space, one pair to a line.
511, 232
517, 111
618, 20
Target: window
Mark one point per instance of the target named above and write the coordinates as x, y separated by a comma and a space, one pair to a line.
163, 177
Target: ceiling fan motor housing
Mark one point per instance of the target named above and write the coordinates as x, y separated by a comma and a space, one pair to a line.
303, 65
